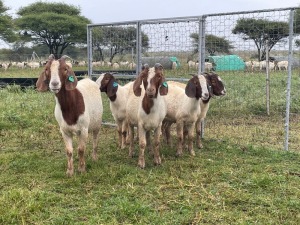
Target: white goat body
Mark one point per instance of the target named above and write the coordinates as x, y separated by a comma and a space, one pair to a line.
183, 108
147, 109
118, 96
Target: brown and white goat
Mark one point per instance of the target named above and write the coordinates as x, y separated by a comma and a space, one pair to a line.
117, 95
216, 87
146, 108
183, 109
78, 108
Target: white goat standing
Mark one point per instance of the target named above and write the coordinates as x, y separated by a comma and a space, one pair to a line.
183, 108
118, 96
78, 108
215, 87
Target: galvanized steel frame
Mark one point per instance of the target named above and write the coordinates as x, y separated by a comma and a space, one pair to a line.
201, 49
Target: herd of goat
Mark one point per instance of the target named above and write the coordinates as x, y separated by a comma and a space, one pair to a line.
149, 103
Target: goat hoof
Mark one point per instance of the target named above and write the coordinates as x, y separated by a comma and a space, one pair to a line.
157, 161
131, 155
81, 169
200, 146
192, 153
95, 157
70, 173
141, 164
178, 154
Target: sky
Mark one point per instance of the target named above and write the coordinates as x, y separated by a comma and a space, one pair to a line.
109, 11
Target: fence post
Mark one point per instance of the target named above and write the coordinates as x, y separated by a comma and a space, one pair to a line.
267, 78
201, 51
89, 50
138, 48
288, 89
201, 44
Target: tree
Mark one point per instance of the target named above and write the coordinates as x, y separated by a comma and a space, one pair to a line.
7, 33
297, 21
213, 44
297, 25
116, 40
56, 25
264, 33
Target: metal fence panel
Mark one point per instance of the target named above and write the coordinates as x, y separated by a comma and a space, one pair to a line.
256, 109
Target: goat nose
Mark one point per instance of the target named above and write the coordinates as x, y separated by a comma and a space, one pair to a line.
150, 89
54, 83
206, 95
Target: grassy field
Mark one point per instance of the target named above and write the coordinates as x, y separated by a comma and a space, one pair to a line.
241, 176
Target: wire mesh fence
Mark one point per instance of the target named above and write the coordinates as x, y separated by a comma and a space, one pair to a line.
251, 52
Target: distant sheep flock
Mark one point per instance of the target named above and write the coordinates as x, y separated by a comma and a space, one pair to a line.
250, 66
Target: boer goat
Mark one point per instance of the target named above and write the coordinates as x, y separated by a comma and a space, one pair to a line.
78, 108
216, 87
146, 108
183, 109
117, 96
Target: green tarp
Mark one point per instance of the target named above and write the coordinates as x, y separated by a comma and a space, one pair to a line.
227, 62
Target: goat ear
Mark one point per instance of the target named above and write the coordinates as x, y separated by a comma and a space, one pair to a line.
158, 68
51, 57
71, 82
112, 87
42, 82
137, 90
138, 82
190, 89
145, 67
164, 88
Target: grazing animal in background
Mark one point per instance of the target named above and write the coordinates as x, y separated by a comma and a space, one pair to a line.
5, 66
117, 95
249, 66
78, 108
131, 65
282, 65
146, 108
33, 65
21, 65
116, 65
208, 66
255, 66
192, 64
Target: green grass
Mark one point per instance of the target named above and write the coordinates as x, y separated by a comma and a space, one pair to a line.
241, 176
